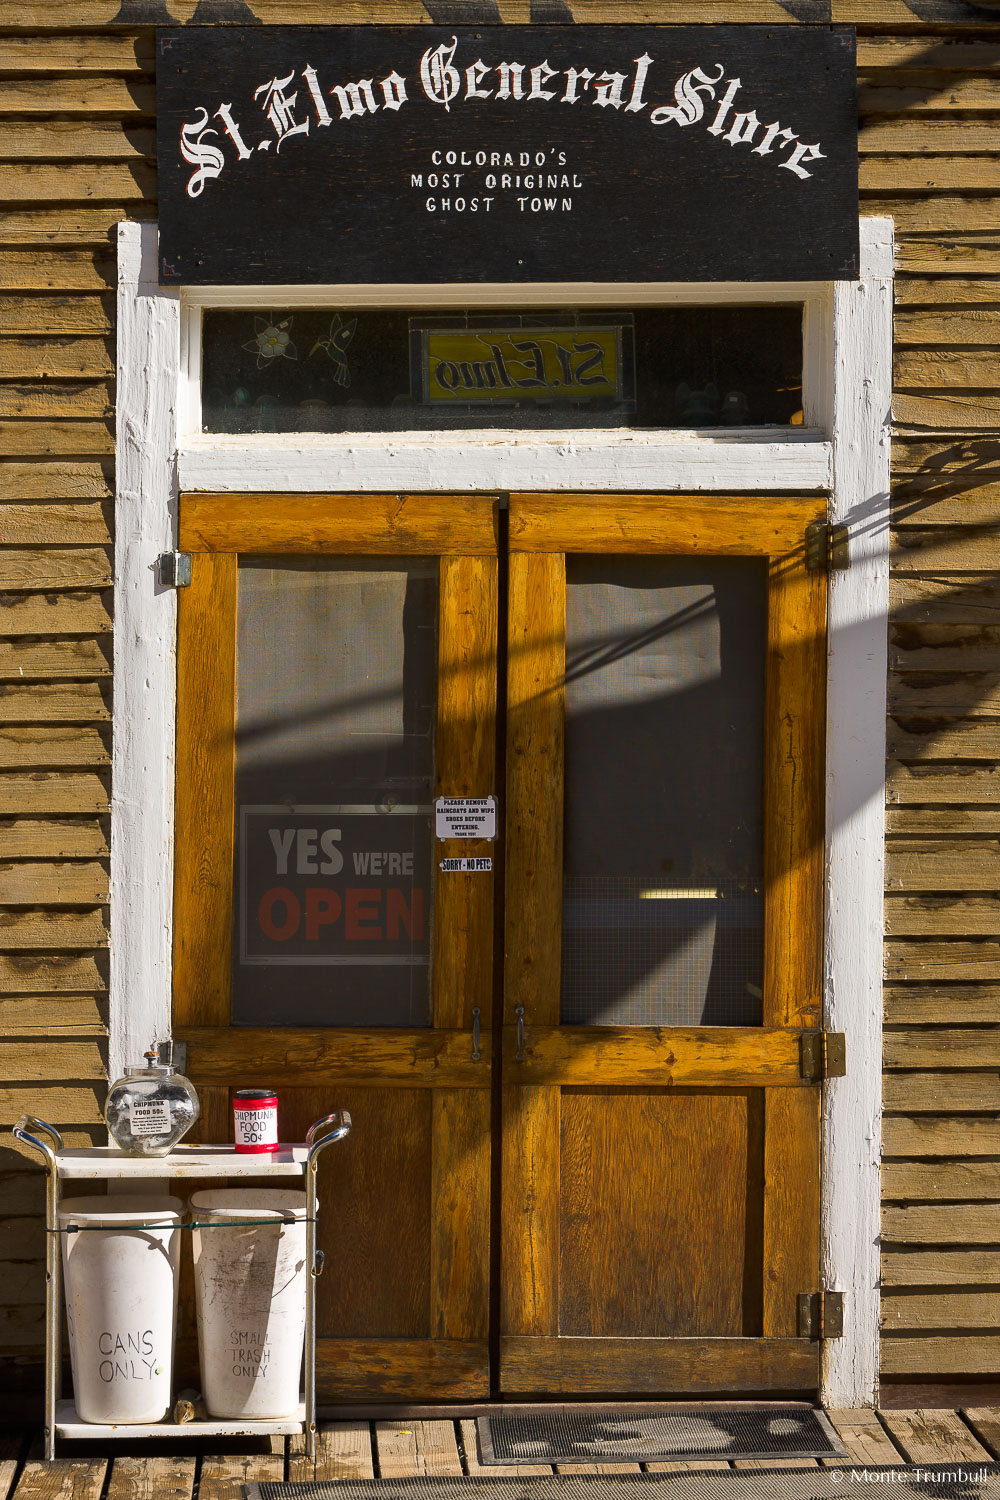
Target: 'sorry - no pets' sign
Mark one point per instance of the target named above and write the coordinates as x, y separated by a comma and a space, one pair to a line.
543, 153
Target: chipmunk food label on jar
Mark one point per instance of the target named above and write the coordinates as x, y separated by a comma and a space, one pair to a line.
149, 1119
255, 1123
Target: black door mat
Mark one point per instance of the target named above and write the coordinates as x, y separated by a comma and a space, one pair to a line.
784, 1430
956, 1481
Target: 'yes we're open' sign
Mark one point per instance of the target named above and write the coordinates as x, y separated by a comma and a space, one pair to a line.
542, 153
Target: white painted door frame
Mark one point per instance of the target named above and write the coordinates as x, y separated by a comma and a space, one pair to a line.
844, 449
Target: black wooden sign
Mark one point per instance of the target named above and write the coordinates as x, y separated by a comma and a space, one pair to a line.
537, 153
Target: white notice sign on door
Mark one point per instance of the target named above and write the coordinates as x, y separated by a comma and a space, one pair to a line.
466, 817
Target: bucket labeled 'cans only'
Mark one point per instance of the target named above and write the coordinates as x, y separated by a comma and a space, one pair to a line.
255, 1120
121, 1256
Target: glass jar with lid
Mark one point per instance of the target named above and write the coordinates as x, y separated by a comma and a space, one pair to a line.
152, 1107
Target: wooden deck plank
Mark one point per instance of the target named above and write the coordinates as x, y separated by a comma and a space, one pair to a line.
412, 1448
64, 1479
864, 1437
985, 1423
776, 1463
408, 1449
598, 1469
12, 1445
135, 1477
343, 1451
926, 1437
680, 1466
223, 1474
493, 1471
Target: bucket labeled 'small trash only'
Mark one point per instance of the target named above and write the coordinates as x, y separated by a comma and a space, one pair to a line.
120, 1260
250, 1291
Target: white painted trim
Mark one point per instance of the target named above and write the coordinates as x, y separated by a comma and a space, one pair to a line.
189, 383
847, 380
510, 294
625, 459
142, 764
856, 703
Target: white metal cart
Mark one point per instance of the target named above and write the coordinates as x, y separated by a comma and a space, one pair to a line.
111, 1164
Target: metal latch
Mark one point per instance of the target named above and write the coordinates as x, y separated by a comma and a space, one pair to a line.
821, 1315
822, 1054
174, 1054
175, 569
827, 546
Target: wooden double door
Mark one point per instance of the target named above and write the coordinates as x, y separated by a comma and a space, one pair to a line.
585, 1157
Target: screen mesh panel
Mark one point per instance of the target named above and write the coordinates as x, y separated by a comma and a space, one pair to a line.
336, 679
663, 876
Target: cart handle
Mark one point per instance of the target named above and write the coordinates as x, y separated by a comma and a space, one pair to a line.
23, 1132
335, 1126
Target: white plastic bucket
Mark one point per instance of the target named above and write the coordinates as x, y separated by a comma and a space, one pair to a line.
250, 1291
121, 1304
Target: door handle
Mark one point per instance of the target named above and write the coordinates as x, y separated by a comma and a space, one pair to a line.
476, 1054
519, 1013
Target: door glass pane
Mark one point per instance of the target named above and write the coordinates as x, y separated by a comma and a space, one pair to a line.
336, 684
663, 892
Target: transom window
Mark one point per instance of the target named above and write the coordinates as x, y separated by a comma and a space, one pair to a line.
301, 369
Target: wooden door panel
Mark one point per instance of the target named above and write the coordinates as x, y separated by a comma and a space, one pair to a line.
313, 1056
375, 1283
367, 1371
684, 1160
203, 863
369, 525
403, 1305
465, 756
795, 793
721, 525
653, 1232
791, 1205
460, 1210
536, 663
623, 1367
529, 1246
733, 1056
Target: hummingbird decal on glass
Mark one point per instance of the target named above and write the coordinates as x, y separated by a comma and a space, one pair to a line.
335, 344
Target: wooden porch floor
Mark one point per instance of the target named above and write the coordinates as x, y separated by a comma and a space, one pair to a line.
395, 1449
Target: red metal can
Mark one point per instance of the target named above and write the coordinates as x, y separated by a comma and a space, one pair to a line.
255, 1119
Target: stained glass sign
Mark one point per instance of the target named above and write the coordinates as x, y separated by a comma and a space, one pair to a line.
497, 364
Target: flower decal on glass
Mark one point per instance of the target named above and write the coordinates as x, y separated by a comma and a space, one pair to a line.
335, 344
271, 341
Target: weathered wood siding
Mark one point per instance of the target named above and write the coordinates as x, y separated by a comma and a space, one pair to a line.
68, 104
76, 145
929, 123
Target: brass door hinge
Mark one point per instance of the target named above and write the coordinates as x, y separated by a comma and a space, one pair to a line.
827, 546
821, 1315
822, 1054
